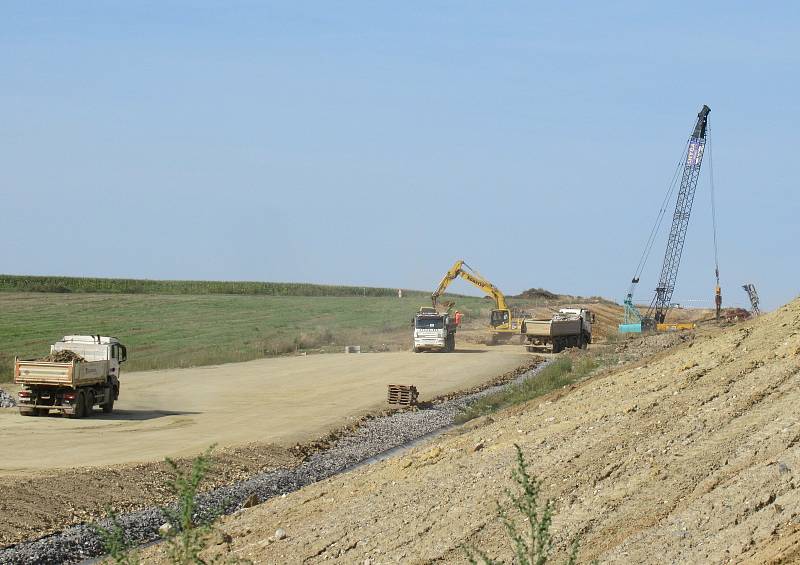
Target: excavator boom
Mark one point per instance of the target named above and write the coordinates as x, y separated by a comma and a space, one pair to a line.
458, 270
501, 315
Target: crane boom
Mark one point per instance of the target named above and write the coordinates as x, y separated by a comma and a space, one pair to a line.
680, 222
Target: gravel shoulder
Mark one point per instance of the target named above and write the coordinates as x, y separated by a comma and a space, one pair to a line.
688, 456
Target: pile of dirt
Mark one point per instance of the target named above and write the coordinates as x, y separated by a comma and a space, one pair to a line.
538, 293
64, 356
690, 456
6, 400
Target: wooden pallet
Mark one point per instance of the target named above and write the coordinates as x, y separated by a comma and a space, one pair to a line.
405, 395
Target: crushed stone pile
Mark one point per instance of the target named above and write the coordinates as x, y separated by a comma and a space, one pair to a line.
65, 356
6, 400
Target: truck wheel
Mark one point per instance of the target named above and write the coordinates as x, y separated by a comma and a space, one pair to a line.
417, 350
80, 406
108, 407
89, 406
26, 412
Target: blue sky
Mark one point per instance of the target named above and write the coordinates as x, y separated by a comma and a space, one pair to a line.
375, 143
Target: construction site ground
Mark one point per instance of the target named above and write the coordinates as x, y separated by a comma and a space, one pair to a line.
54, 470
690, 455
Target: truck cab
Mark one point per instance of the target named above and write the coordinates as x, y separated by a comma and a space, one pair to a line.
434, 331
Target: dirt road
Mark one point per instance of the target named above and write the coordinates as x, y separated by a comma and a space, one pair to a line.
690, 456
180, 412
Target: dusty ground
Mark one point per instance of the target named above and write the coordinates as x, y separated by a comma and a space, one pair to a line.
254, 411
690, 456
180, 412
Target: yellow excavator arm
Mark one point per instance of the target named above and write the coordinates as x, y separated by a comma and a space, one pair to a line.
469, 275
501, 315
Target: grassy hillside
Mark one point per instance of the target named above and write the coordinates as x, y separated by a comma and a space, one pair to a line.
24, 283
164, 331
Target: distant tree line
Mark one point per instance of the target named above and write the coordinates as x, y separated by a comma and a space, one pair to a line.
23, 283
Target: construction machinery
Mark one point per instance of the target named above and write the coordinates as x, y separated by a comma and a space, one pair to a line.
434, 330
80, 372
569, 327
750, 289
655, 317
502, 324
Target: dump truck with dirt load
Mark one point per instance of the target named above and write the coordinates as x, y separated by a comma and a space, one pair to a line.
569, 327
434, 331
82, 371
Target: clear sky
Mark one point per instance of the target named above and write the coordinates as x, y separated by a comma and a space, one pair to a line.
374, 143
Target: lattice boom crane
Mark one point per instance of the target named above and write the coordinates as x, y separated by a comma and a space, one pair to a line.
661, 302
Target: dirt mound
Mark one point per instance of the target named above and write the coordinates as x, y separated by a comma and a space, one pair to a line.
689, 456
64, 356
537, 293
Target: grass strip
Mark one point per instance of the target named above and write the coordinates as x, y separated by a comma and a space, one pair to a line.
561, 372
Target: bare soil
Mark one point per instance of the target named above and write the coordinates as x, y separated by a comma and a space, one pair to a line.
686, 456
56, 472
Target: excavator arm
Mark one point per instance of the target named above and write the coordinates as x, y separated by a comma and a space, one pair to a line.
501, 315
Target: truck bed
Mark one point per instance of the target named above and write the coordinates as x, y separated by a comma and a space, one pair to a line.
552, 328
74, 374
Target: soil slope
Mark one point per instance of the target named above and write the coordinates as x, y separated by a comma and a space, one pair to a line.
692, 456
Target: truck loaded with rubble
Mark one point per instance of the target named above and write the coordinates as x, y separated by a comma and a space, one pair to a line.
81, 371
569, 327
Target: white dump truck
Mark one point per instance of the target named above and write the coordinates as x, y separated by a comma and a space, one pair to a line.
569, 327
81, 371
434, 331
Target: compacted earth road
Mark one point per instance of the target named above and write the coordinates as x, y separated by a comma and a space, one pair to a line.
180, 412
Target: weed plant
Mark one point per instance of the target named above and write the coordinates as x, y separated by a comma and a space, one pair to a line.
527, 522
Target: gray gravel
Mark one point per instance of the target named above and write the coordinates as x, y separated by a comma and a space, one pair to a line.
6, 400
374, 439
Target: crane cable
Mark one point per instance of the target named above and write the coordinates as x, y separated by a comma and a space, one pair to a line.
657, 224
713, 203
648, 247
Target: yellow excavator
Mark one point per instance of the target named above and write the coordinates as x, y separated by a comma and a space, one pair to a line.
502, 325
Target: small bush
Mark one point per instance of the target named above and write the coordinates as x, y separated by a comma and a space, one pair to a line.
531, 540
115, 545
186, 538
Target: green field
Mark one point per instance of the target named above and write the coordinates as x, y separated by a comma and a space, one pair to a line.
163, 331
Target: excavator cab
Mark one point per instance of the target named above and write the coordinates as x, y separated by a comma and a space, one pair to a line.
500, 319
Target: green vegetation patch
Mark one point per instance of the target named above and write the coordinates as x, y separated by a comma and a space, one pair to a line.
561, 372
166, 331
